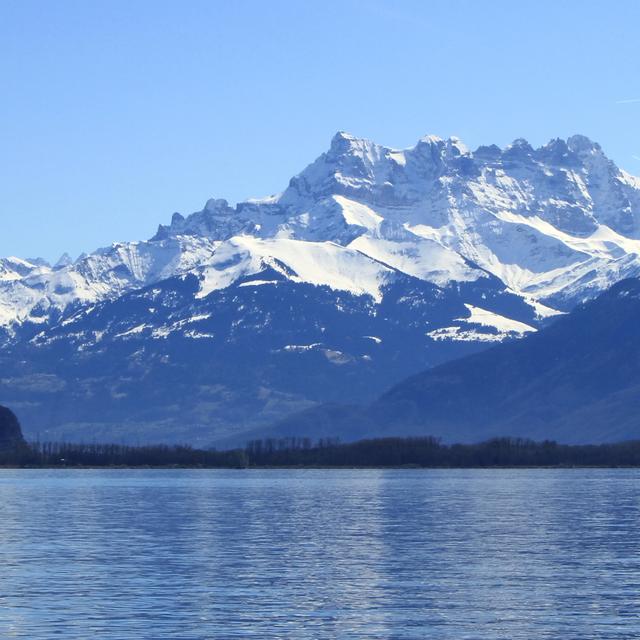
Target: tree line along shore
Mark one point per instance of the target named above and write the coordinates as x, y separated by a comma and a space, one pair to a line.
421, 452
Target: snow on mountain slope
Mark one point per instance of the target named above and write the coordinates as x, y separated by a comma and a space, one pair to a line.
15, 268
502, 327
422, 258
490, 319
544, 221
555, 225
317, 263
42, 293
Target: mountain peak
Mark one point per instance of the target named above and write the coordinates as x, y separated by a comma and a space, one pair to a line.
344, 143
216, 205
521, 145
582, 145
456, 147
63, 261
341, 136
431, 139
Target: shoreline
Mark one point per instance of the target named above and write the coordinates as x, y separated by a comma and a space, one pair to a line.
310, 467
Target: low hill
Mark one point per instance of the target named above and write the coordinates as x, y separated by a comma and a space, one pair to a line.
10, 432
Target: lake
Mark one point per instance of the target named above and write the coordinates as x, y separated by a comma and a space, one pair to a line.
309, 554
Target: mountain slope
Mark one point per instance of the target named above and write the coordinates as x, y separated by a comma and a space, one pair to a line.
576, 381
165, 363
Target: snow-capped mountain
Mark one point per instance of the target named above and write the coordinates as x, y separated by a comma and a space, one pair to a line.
554, 224
471, 248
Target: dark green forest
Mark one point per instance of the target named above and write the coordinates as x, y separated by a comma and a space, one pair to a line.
423, 452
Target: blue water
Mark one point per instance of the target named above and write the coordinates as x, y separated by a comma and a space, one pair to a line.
156, 554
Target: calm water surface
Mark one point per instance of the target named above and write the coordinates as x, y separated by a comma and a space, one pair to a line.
457, 554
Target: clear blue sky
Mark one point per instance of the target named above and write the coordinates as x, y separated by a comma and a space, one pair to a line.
114, 114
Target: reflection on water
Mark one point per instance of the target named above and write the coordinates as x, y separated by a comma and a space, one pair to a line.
528, 554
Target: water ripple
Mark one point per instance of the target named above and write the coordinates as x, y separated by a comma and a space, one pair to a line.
403, 554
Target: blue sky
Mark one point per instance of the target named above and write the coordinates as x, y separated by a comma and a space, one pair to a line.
116, 114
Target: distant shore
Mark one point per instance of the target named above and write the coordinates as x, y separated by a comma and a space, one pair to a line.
302, 453
311, 468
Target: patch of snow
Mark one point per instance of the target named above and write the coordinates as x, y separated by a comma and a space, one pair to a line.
301, 348
257, 283
456, 334
161, 333
542, 311
133, 331
337, 357
197, 335
489, 319
358, 214
398, 157
199, 317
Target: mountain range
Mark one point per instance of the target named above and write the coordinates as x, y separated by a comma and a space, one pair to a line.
372, 265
